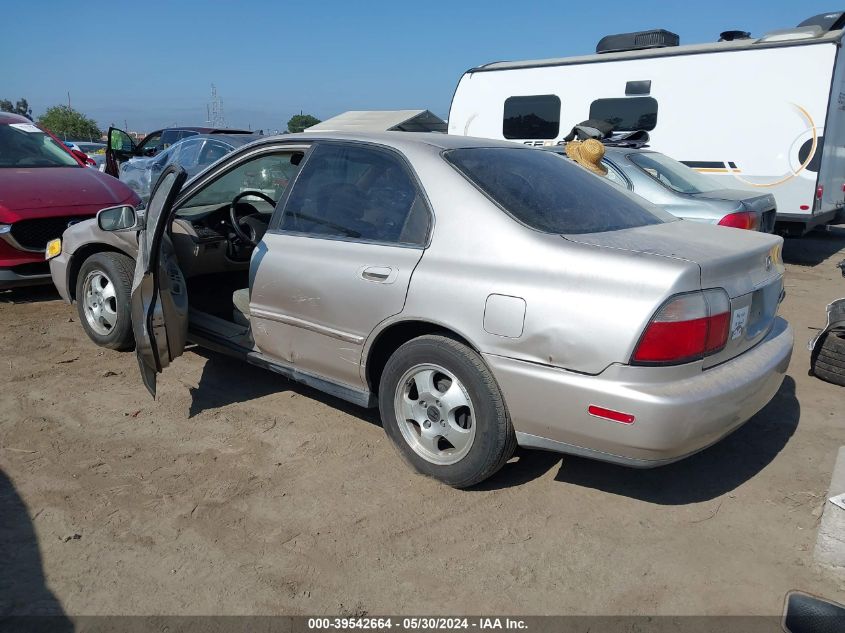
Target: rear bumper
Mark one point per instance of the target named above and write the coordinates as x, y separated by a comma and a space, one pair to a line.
809, 221
678, 411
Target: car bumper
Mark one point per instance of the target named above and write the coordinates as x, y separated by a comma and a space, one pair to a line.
11, 278
58, 272
677, 411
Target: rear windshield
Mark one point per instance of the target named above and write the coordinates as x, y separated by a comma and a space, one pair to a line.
549, 193
670, 173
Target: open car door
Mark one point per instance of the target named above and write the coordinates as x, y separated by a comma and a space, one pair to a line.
159, 293
119, 149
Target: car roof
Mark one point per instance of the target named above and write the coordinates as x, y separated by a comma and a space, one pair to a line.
9, 117
398, 140
203, 130
235, 140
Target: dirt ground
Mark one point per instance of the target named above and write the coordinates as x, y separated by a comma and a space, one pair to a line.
238, 492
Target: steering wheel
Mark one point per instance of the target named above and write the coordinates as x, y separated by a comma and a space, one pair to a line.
238, 223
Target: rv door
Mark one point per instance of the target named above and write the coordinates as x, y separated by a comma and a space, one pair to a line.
159, 294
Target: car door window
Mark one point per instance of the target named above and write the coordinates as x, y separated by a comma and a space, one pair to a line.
269, 174
360, 193
212, 151
150, 145
156, 205
615, 176
185, 153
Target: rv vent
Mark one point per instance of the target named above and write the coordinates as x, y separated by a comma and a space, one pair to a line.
787, 35
827, 21
657, 38
730, 36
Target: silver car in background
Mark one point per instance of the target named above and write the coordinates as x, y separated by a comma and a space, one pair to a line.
193, 154
481, 294
684, 192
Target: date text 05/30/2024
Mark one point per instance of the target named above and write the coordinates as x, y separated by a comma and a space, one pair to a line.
415, 623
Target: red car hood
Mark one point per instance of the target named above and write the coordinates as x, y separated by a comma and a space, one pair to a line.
49, 191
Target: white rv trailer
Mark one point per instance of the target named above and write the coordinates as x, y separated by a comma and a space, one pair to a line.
763, 114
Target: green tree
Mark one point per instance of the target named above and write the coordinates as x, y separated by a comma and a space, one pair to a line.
21, 107
299, 122
67, 123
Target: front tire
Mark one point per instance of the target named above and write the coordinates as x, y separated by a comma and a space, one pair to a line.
443, 410
103, 294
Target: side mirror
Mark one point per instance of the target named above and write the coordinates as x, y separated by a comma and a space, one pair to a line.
122, 218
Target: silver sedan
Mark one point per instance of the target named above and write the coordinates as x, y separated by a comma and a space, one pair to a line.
481, 294
685, 192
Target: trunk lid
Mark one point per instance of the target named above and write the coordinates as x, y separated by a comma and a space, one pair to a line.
746, 264
762, 205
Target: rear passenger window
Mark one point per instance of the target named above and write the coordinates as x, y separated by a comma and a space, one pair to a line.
360, 193
532, 117
628, 114
615, 176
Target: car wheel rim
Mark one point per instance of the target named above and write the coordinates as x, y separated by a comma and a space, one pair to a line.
435, 414
99, 302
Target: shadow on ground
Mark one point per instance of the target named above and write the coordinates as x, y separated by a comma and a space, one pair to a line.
227, 380
707, 475
23, 589
815, 247
29, 294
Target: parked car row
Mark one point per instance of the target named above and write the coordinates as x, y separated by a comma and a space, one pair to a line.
574, 317
122, 147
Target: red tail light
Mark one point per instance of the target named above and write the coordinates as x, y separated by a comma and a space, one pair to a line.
741, 220
819, 192
688, 327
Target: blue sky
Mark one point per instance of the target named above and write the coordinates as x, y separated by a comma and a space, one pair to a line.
151, 63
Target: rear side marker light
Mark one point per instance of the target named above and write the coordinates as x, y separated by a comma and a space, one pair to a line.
805, 207
819, 192
610, 414
687, 327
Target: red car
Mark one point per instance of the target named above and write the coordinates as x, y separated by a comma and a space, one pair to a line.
44, 188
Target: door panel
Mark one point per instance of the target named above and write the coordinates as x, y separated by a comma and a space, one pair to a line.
119, 148
159, 294
339, 260
315, 301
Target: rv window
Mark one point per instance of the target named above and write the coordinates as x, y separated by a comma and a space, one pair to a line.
633, 113
550, 194
534, 117
804, 153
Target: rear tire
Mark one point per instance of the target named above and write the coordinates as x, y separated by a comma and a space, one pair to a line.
103, 294
829, 360
457, 428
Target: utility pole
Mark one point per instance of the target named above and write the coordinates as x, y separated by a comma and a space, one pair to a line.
68, 99
215, 110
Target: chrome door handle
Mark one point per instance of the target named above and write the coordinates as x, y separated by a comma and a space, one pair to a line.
380, 274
